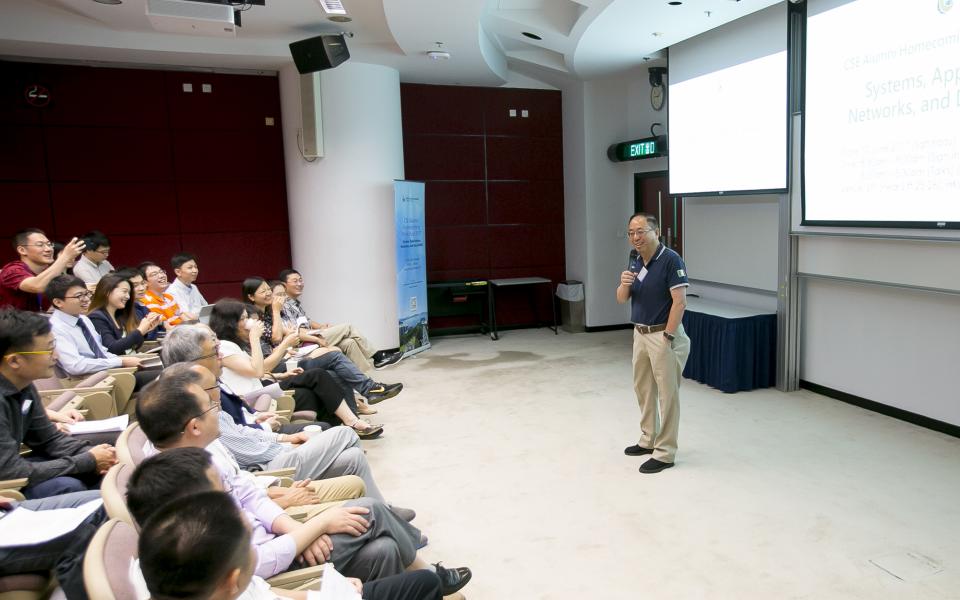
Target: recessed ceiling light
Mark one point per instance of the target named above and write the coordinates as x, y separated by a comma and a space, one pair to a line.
532, 36
340, 19
657, 33
675, 3
111, 2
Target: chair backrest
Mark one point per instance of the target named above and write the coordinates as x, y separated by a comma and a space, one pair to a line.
106, 565
130, 445
54, 383
25, 585
61, 400
113, 488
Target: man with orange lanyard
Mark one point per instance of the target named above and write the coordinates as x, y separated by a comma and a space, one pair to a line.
160, 302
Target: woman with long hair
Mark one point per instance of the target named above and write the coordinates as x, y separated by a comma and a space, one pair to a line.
114, 316
245, 367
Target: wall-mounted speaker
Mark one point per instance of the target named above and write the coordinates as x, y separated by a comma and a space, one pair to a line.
319, 53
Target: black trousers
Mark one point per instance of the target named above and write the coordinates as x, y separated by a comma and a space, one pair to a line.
317, 390
412, 585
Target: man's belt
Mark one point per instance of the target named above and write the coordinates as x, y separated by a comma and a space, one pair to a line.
650, 328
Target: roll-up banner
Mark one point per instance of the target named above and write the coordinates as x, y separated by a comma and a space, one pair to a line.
411, 266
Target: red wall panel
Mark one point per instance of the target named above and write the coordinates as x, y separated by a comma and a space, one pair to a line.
108, 154
524, 158
457, 248
442, 109
21, 154
455, 203
544, 116
159, 171
526, 202
443, 157
24, 205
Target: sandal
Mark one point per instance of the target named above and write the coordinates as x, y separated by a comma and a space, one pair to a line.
364, 409
366, 431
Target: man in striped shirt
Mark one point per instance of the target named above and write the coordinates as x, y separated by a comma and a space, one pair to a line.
157, 300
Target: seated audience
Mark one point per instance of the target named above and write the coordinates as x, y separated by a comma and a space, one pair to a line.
80, 350
183, 289
197, 545
23, 281
112, 312
332, 453
93, 264
157, 300
58, 464
139, 286
343, 336
175, 413
244, 366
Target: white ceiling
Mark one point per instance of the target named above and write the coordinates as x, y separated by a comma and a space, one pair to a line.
582, 39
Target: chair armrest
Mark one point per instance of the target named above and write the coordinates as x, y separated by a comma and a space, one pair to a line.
51, 394
13, 484
294, 579
285, 472
12, 495
286, 403
122, 370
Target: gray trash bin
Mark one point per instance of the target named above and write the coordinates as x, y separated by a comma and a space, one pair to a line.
572, 306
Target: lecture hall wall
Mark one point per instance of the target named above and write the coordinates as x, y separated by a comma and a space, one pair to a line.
494, 185
157, 169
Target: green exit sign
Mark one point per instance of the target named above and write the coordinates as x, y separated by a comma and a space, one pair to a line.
650, 147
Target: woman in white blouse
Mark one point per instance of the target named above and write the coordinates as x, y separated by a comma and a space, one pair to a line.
245, 368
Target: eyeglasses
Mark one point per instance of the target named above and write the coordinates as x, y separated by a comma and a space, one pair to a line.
40, 244
81, 296
294, 281
29, 352
214, 405
638, 232
103, 252
216, 352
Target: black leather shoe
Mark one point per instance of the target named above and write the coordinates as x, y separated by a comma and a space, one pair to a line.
383, 391
637, 450
451, 580
654, 466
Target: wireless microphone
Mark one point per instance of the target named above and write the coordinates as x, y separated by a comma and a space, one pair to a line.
634, 257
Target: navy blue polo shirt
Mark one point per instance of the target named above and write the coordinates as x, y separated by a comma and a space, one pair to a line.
650, 298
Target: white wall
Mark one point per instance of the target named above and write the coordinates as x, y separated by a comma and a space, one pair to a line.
341, 206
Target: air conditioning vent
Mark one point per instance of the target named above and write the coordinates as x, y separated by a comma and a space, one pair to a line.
333, 7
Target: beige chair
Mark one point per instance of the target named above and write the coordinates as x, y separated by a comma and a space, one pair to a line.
10, 488
107, 562
130, 445
113, 488
95, 394
26, 586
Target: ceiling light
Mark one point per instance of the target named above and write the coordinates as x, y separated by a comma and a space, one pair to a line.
111, 2
675, 3
438, 55
657, 33
532, 36
340, 19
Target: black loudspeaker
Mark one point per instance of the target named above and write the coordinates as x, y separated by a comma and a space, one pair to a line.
319, 53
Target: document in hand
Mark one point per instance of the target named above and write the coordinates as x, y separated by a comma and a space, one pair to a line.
24, 527
334, 586
101, 426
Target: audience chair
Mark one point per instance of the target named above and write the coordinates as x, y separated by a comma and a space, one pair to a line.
10, 488
94, 393
130, 445
113, 488
26, 586
106, 564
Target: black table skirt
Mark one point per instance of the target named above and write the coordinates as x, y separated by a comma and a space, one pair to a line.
731, 355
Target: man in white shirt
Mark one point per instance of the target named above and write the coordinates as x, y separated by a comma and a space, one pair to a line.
183, 289
94, 264
80, 351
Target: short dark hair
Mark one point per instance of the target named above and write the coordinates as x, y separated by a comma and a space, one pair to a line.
274, 283
164, 477
287, 273
250, 286
165, 405
224, 319
650, 219
181, 259
142, 267
59, 286
128, 272
20, 238
95, 239
191, 545
18, 328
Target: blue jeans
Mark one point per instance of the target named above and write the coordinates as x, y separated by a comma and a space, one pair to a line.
343, 368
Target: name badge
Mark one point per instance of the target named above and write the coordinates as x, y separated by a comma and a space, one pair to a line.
26, 406
642, 274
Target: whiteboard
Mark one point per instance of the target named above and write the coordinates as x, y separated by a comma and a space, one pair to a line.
732, 240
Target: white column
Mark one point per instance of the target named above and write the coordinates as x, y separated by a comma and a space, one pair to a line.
341, 206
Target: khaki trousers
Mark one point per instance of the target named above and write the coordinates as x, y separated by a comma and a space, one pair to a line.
351, 343
331, 492
657, 369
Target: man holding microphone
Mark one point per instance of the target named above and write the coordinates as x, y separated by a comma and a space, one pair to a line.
656, 285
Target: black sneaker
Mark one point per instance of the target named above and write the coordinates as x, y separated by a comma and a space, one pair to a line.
654, 466
387, 359
382, 391
452, 580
